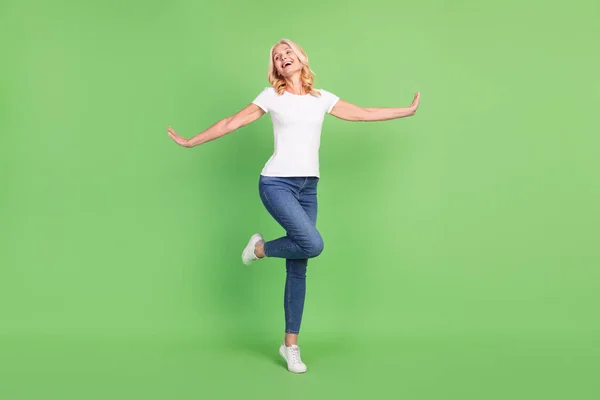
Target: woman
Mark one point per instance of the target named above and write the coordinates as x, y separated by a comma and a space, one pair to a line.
288, 181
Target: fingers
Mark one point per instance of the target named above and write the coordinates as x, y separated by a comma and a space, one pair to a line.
172, 133
178, 139
416, 99
415, 102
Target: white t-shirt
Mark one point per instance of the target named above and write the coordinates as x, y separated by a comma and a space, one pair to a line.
297, 122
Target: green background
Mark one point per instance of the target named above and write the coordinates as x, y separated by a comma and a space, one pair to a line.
460, 258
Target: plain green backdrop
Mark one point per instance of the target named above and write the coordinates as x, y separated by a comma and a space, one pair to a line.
461, 256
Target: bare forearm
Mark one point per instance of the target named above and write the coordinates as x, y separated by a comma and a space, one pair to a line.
384, 114
217, 130
227, 125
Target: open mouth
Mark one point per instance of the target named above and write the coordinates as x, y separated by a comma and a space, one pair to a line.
287, 64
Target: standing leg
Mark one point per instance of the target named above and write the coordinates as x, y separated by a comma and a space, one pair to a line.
295, 284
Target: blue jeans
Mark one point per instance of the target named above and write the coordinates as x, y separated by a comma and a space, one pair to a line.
292, 201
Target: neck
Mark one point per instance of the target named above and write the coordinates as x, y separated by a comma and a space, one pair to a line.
293, 84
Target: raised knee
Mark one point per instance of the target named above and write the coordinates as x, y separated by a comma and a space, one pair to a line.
316, 246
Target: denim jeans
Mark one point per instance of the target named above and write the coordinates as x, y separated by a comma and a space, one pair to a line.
292, 202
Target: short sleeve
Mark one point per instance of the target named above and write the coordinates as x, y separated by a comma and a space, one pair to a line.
263, 100
329, 100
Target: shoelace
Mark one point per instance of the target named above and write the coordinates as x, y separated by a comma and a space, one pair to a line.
295, 353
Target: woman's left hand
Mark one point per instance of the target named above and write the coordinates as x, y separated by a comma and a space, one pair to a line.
415, 104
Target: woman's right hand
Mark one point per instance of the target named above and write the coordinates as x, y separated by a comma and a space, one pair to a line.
178, 139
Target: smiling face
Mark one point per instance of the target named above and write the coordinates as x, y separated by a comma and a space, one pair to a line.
288, 65
285, 60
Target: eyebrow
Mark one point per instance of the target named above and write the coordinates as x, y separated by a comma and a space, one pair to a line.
276, 54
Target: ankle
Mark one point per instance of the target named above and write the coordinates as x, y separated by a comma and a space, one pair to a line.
259, 250
290, 339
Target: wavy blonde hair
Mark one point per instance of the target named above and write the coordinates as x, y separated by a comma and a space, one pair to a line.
307, 75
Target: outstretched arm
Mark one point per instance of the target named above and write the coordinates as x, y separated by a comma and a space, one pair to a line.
245, 116
351, 112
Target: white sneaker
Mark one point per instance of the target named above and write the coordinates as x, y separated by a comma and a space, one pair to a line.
292, 356
248, 256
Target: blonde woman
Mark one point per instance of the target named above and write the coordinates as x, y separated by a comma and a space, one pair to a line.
288, 182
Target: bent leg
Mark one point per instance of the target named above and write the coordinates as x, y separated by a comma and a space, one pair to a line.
285, 200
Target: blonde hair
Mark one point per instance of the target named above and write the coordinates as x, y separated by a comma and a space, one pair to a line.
306, 77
